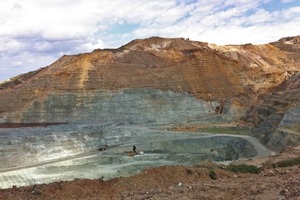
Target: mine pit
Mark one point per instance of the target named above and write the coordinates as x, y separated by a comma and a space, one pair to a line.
65, 152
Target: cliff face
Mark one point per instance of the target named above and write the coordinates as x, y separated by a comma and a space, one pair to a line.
277, 116
151, 80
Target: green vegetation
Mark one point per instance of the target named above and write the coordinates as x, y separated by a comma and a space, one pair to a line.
244, 169
227, 130
287, 163
189, 171
212, 175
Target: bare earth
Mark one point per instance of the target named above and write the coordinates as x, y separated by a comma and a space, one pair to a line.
178, 182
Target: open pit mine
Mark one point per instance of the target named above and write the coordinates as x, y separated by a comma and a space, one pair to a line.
178, 101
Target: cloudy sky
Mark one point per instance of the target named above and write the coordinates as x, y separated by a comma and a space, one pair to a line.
35, 33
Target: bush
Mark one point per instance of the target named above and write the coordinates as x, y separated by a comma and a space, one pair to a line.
244, 169
287, 163
212, 175
189, 171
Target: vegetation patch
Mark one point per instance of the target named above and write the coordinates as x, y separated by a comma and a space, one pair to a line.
189, 171
212, 175
244, 169
287, 163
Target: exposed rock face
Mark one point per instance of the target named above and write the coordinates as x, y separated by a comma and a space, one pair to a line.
125, 106
277, 117
165, 64
160, 80
289, 44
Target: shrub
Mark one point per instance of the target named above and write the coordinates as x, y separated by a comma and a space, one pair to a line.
212, 175
287, 163
189, 171
244, 169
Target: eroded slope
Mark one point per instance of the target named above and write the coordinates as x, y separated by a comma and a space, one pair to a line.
227, 78
277, 116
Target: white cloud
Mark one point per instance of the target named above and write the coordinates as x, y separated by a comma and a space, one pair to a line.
42, 46
12, 65
91, 46
8, 44
41, 31
260, 16
291, 13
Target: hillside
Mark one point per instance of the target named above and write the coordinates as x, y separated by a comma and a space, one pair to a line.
204, 71
177, 100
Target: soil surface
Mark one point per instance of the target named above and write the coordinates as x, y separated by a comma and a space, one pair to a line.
204, 181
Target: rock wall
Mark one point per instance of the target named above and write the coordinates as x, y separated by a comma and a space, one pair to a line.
131, 106
291, 119
277, 117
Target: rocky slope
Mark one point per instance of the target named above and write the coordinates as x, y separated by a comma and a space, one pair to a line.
81, 87
277, 116
142, 90
160, 80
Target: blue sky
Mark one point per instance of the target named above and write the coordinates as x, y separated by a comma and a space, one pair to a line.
35, 33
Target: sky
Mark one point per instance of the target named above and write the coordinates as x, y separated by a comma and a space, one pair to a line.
35, 33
